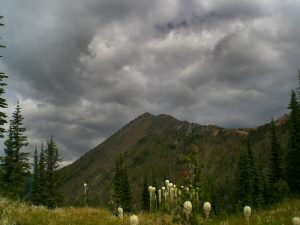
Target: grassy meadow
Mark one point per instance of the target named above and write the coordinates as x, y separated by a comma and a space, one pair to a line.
18, 213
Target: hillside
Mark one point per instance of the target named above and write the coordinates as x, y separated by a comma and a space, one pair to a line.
157, 146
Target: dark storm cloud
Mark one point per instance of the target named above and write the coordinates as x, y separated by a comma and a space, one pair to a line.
82, 69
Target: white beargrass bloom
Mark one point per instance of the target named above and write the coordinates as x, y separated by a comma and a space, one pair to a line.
163, 188
247, 212
167, 182
187, 208
150, 188
120, 213
134, 220
170, 185
296, 221
85, 188
159, 196
207, 208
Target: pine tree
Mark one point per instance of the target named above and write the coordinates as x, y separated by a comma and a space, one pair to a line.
117, 184
21, 165
35, 183
276, 168
8, 162
15, 162
121, 186
3, 104
254, 179
126, 190
293, 164
249, 190
53, 197
42, 177
243, 186
145, 195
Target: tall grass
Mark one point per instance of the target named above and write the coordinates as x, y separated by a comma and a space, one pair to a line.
18, 213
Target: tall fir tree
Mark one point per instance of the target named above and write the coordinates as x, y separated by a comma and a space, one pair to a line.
8, 163
121, 186
42, 177
254, 179
249, 188
293, 164
35, 179
15, 162
243, 186
126, 190
54, 197
145, 195
276, 177
21, 164
3, 104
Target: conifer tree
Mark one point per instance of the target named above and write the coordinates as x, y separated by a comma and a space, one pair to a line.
249, 190
293, 164
243, 186
8, 162
42, 189
53, 197
3, 104
35, 183
126, 191
15, 162
21, 165
121, 186
254, 179
276, 168
145, 195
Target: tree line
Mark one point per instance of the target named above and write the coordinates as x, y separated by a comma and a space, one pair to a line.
15, 165
282, 177
254, 184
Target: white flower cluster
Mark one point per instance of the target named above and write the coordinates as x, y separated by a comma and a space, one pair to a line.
247, 212
85, 188
120, 213
134, 220
296, 221
207, 208
187, 208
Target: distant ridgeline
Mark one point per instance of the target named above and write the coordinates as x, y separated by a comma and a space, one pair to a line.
156, 147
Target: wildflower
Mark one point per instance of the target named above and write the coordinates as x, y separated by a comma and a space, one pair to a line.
167, 182
163, 188
187, 208
296, 221
120, 213
207, 208
247, 212
134, 220
159, 196
85, 187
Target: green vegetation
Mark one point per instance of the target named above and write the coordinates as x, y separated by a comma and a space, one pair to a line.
121, 188
15, 162
12, 213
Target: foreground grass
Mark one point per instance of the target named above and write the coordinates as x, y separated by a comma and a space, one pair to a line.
16, 213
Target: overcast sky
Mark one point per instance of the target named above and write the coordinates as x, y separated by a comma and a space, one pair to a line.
84, 68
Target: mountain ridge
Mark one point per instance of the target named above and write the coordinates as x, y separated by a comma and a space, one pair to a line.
160, 139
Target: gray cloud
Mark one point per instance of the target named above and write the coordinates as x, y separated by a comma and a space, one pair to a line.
83, 69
